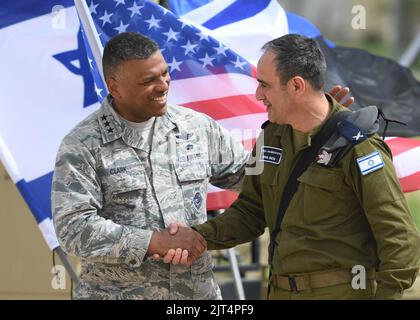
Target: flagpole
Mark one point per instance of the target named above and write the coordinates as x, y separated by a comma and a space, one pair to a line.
47, 229
409, 56
67, 265
90, 33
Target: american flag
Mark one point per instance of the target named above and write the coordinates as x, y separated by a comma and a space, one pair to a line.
205, 75
211, 78
406, 159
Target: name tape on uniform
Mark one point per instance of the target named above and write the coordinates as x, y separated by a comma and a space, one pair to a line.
271, 154
370, 163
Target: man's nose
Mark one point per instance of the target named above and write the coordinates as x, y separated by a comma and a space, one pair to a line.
259, 94
164, 84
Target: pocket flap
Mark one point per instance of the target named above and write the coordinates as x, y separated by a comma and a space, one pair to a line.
132, 179
323, 178
191, 171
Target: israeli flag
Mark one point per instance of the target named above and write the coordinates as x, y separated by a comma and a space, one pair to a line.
370, 163
242, 25
47, 88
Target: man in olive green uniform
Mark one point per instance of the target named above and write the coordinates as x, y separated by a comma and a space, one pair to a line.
350, 216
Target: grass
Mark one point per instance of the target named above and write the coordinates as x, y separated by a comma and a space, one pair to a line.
413, 199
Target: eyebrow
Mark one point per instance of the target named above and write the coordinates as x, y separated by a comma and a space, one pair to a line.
152, 77
262, 81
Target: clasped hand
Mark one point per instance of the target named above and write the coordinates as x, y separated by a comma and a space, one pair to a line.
190, 244
177, 244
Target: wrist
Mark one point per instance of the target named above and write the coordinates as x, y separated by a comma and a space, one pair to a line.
154, 242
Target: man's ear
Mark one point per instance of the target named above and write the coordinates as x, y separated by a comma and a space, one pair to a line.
296, 85
113, 87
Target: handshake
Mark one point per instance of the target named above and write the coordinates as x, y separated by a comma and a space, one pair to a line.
177, 244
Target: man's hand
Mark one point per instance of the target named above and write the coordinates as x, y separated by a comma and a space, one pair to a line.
189, 243
339, 93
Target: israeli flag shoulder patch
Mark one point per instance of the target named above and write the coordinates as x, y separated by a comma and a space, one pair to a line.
370, 163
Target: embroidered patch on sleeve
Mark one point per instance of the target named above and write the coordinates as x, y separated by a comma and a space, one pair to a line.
370, 163
198, 200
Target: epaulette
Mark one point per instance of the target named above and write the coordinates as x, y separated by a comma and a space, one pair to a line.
354, 129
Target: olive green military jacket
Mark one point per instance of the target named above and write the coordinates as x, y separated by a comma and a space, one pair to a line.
338, 218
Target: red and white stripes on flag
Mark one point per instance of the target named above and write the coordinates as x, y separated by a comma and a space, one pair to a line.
406, 157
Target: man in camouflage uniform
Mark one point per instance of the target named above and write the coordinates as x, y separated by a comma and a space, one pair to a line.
344, 218
130, 169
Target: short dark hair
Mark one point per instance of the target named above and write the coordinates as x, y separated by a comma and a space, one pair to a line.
126, 46
296, 55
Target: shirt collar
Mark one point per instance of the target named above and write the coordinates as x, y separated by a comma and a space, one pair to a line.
287, 130
113, 128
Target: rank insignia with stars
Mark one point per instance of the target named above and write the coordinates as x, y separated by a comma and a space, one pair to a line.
107, 124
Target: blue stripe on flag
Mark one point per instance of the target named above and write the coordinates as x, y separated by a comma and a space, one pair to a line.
37, 195
12, 12
233, 13
369, 170
180, 7
299, 25
370, 155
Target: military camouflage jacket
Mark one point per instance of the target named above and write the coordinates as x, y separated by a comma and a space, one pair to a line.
111, 190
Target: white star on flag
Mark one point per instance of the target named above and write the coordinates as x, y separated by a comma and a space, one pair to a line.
92, 8
221, 49
106, 18
204, 36
135, 9
153, 22
238, 63
122, 27
207, 60
171, 35
119, 2
185, 24
165, 11
189, 47
174, 65
98, 91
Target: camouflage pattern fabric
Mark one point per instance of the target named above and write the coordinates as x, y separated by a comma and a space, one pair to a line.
111, 190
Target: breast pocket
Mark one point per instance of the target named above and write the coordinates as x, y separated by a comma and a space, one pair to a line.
125, 178
125, 189
324, 195
193, 180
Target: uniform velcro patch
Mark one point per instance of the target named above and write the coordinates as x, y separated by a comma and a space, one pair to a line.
351, 132
370, 163
198, 200
271, 154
